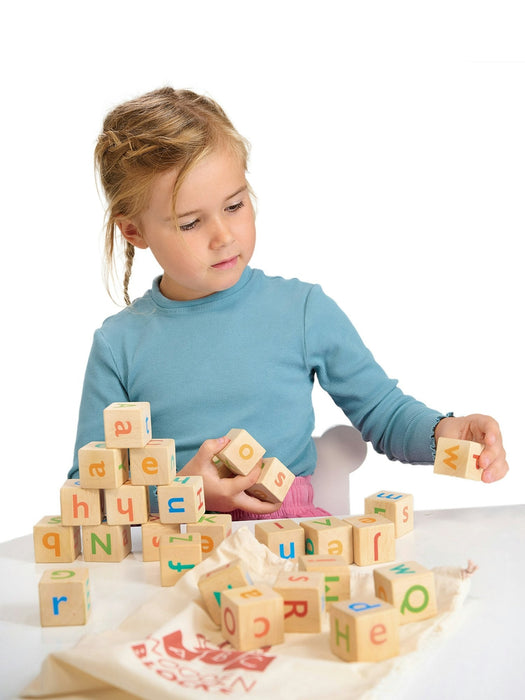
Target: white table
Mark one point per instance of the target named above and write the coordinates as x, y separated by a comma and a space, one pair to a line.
483, 659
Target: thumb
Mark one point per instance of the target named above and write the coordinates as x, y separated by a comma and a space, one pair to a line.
209, 448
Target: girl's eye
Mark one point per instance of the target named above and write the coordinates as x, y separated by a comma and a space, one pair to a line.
189, 226
235, 207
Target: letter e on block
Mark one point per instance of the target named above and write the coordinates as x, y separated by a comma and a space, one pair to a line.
364, 630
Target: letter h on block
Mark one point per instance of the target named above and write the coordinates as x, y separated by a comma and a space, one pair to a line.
64, 597
364, 630
252, 617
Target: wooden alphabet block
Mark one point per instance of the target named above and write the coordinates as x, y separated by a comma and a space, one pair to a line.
458, 458
252, 617
106, 542
127, 505
182, 501
328, 535
102, 467
80, 506
282, 537
211, 585
397, 507
178, 554
364, 630
242, 453
153, 464
64, 597
273, 483
151, 534
213, 529
303, 596
410, 588
374, 539
55, 542
336, 575
127, 424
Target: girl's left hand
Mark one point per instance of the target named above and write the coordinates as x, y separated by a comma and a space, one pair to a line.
486, 431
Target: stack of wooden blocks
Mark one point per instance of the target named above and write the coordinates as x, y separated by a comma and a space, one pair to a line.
112, 494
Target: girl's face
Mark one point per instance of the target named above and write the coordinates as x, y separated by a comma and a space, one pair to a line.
215, 237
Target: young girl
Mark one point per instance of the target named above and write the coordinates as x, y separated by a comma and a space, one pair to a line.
215, 344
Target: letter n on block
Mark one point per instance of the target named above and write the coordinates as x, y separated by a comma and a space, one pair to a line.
364, 630
410, 588
252, 617
64, 597
282, 537
182, 501
106, 542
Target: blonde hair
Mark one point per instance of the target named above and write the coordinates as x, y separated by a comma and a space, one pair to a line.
144, 137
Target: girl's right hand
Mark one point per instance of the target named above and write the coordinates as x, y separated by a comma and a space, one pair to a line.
227, 494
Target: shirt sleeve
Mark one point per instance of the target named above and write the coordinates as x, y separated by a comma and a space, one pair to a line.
102, 386
396, 424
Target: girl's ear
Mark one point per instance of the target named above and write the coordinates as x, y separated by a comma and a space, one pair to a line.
131, 233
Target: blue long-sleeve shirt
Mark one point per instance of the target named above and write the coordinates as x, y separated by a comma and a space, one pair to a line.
246, 358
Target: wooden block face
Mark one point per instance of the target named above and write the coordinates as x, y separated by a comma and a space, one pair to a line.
178, 554
153, 464
127, 424
364, 630
213, 529
213, 583
329, 536
102, 467
273, 483
458, 458
80, 506
110, 543
336, 575
242, 453
151, 534
282, 537
397, 507
182, 501
303, 596
127, 505
374, 539
410, 588
64, 597
252, 617
54, 542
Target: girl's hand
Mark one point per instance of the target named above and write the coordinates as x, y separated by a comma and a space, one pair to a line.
482, 429
225, 495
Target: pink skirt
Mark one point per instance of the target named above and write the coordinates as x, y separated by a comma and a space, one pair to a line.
298, 503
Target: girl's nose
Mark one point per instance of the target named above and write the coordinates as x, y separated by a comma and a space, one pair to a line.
221, 234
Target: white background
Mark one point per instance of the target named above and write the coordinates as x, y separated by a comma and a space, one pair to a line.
388, 157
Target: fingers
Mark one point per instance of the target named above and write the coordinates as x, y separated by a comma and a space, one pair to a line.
238, 486
493, 459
